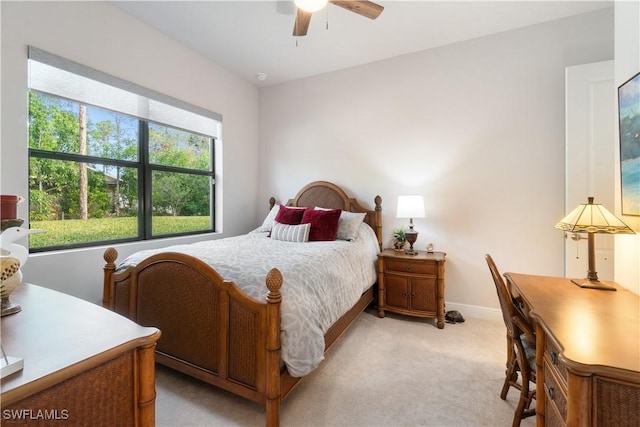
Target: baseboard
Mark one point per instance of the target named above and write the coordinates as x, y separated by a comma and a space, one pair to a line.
474, 311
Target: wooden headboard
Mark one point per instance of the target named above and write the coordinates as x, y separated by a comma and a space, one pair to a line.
328, 195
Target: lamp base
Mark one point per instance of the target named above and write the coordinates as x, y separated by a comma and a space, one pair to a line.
593, 284
411, 236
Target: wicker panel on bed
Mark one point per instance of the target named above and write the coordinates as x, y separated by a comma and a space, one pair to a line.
184, 314
242, 331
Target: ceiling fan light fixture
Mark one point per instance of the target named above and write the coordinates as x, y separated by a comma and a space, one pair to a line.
311, 5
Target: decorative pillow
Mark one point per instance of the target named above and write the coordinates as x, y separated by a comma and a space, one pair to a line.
290, 215
348, 224
290, 233
324, 224
267, 224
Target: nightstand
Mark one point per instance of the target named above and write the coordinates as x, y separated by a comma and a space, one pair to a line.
411, 284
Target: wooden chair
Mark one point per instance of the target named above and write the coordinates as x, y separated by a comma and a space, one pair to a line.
520, 347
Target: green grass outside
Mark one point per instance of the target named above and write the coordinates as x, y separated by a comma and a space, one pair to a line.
66, 232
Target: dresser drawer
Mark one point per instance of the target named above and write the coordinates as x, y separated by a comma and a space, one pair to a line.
555, 392
403, 266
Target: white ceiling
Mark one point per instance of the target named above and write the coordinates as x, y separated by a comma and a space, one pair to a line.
251, 37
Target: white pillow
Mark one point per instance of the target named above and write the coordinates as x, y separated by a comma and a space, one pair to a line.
348, 224
267, 224
291, 233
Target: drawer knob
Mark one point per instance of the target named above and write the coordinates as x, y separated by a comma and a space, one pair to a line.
408, 268
404, 295
550, 392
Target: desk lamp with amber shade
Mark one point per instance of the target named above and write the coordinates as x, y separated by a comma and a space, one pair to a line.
592, 218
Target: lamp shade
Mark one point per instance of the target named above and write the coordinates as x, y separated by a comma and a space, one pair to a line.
593, 218
410, 207
311, 5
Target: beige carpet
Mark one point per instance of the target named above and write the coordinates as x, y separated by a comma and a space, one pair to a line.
396, 371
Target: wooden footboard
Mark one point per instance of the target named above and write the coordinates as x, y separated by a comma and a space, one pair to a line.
211, 330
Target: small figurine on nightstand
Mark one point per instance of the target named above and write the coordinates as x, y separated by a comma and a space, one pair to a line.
430, 248
10, 279
12, 257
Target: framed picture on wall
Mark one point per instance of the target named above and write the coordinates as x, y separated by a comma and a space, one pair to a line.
629, 117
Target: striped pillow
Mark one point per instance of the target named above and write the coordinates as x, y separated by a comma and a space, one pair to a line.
290, 233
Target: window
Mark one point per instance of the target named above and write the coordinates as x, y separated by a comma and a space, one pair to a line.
110, 161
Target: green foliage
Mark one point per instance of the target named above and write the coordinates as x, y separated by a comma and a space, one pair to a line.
112, 191
79, 231
180, 194
40, 205
399, 234
174, 147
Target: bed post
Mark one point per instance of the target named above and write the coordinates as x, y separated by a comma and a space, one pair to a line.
274, 298
110, 256
378, 219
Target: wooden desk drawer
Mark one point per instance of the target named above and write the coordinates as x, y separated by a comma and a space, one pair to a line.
555, 393
551, 353
552, 418
404, 266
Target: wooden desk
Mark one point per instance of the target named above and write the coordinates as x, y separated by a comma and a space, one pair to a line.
588, 351
83, 364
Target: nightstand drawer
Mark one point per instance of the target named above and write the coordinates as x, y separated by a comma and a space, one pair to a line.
404, 266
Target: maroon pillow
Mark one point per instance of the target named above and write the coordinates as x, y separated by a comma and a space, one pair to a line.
324, 224
290, 216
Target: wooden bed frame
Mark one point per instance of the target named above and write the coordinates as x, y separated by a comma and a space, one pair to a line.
213, 331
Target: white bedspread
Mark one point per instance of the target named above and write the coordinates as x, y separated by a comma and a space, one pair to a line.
322, 281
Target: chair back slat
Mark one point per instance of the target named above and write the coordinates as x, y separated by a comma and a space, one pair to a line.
504, 296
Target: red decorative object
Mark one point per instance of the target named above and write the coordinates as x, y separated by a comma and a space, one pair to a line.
9, 206
289, 216
324, 224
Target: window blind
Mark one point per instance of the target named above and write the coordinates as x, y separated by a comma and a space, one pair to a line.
62, 77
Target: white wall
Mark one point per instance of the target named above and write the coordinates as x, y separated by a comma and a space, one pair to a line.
476, 127
101, 36
627, 64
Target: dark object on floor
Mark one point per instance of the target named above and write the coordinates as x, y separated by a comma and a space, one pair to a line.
453, 316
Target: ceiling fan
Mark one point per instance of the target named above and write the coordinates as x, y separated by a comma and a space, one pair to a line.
306, 8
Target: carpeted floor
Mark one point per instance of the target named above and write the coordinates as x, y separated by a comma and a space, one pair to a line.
396, 371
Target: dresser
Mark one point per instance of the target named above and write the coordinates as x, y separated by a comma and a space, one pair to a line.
411, 284
587, 351
83, 364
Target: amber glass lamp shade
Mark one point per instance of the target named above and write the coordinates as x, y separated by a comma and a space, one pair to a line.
592, 218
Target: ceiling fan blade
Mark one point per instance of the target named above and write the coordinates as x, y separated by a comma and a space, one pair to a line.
365, 8
302, 23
